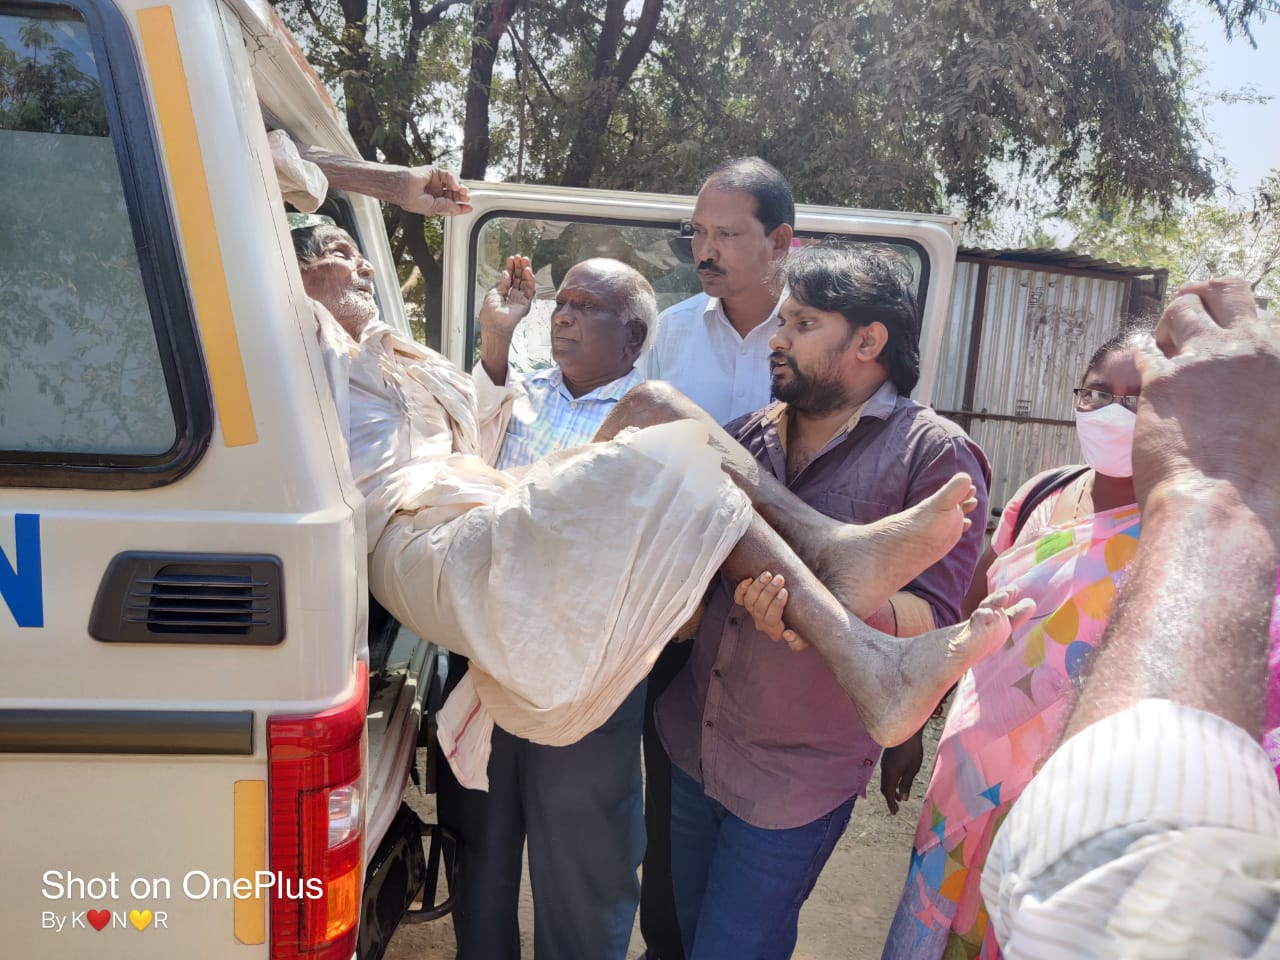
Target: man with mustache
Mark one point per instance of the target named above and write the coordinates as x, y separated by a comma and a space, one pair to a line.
713, 348
768, 754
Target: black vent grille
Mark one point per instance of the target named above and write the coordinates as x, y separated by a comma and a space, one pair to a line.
191, 598
178, 600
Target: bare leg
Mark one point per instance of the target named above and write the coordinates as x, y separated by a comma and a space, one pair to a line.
894, 683
861, 565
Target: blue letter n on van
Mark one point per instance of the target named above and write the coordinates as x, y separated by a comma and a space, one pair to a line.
20, 582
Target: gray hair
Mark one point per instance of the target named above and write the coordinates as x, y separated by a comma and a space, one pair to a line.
634, 293
311, 240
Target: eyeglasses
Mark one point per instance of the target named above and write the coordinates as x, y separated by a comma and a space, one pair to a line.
1087, 399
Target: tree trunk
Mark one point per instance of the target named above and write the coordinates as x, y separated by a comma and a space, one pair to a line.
353, 56
612, 73
486, 34
415, 241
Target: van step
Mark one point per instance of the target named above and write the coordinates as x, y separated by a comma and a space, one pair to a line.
402, 883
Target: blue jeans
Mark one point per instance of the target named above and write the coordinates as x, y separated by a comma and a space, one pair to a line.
739, 888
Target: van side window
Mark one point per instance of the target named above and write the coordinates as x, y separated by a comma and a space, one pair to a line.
80, 366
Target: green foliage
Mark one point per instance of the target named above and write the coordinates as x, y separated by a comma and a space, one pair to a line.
1224, 235
909, 103
899, 104
41, 88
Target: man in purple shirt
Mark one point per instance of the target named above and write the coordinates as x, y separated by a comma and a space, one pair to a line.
768, 751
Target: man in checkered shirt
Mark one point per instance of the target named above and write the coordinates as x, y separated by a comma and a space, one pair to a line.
579, 805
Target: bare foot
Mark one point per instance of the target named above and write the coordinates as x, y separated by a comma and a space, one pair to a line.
895, 682
863, 566
910, 675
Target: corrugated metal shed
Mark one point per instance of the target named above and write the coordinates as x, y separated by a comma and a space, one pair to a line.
1062, 259
1023, 325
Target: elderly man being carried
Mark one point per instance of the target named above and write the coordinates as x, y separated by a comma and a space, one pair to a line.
562, 587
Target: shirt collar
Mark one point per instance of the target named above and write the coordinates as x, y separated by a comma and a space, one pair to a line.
614, 390
376, 338
713, 312
878, 406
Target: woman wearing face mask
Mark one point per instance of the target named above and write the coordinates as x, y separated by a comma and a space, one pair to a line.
1064, 540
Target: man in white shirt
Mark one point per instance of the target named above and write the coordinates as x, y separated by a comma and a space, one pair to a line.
713, 348
457, 547
1154, 831
562, 586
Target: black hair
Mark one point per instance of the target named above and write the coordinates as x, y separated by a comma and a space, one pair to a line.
774, 203
309, 242
1132, 327
865, 284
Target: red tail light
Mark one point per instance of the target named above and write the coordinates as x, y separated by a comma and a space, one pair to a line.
316, 838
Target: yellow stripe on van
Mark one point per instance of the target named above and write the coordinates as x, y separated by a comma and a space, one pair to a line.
196, 223
250, 857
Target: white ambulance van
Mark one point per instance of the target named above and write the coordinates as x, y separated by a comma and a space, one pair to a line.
206, 727
204, 734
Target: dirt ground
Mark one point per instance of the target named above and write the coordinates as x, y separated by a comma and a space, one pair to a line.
846, 918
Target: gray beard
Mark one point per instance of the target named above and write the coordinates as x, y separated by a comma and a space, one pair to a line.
354, 311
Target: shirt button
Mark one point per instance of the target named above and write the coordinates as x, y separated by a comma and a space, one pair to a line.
733, 621
868, 762
717, 674
708, 723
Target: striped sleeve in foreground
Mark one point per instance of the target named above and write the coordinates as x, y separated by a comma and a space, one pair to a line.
1153, 833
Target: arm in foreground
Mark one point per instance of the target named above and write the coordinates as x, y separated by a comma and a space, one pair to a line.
1158, 820
426, 190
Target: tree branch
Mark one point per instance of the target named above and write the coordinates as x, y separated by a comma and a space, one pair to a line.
425, 149
638, 45
611, 75
411, 225
421, 20
532, 61
610, 34
324, 31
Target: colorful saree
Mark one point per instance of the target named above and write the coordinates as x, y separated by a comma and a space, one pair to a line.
1008, 715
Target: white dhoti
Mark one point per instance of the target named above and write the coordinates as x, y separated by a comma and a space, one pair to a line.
561, 587
563, 591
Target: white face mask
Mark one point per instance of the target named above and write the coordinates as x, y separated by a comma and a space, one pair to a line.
1106, 438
